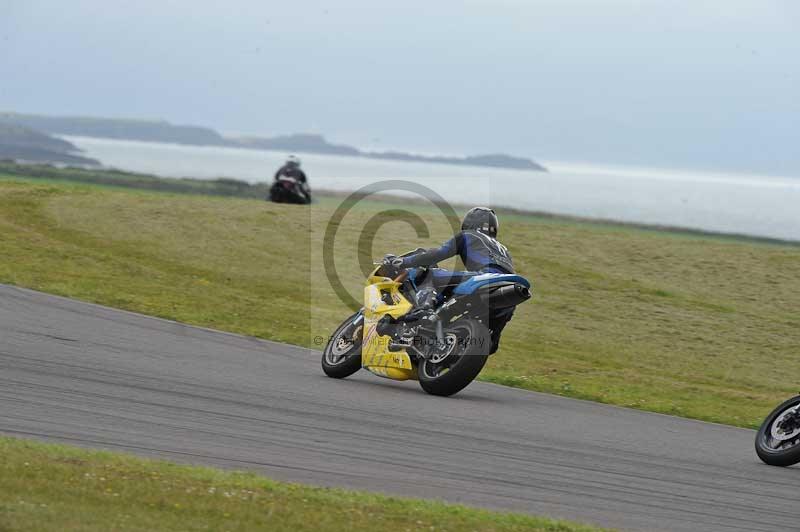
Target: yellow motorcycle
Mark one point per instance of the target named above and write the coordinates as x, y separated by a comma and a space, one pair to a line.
424, 323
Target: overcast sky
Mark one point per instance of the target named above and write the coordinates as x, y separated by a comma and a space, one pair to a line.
691, 84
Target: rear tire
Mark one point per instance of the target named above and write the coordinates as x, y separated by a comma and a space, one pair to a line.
774, 451
448, 375
342, 355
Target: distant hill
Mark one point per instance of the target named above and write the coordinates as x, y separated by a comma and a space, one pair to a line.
307, 143
123, 129
300, 143
161, 131
495, 160
22, 143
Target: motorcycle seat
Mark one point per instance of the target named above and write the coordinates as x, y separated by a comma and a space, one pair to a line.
474, 282
446, 278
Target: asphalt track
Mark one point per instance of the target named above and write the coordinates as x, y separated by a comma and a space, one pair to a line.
93, 376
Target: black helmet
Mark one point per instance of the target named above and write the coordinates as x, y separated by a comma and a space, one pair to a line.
481, 219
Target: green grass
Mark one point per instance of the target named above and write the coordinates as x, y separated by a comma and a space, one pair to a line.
222, 186
54, 487
698, 326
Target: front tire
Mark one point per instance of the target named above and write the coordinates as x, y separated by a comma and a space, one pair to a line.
451, 369
342, 355
778, 439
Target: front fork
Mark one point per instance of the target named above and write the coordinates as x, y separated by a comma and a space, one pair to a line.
353, 326
439, 332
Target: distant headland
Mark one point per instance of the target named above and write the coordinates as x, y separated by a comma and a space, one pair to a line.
22, 143
162, 131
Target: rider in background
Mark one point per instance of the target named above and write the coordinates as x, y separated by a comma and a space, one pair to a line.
480, 251
291, 168
295, 187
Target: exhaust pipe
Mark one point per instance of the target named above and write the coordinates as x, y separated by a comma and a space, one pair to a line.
507, 296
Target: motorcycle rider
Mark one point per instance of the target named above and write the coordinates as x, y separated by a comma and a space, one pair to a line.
291, 169
480, 251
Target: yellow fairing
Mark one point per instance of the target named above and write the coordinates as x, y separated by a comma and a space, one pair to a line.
375, 354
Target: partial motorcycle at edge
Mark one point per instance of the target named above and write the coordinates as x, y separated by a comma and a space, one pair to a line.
778, 439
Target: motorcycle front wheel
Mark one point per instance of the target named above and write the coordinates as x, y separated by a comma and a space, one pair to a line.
342, 355
778, 439
452, 366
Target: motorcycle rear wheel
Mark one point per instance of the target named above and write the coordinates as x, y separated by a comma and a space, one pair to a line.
451, 370
774, 445
342, 355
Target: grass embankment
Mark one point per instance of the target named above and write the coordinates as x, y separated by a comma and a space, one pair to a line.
692, 325
53, 487
222, 186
